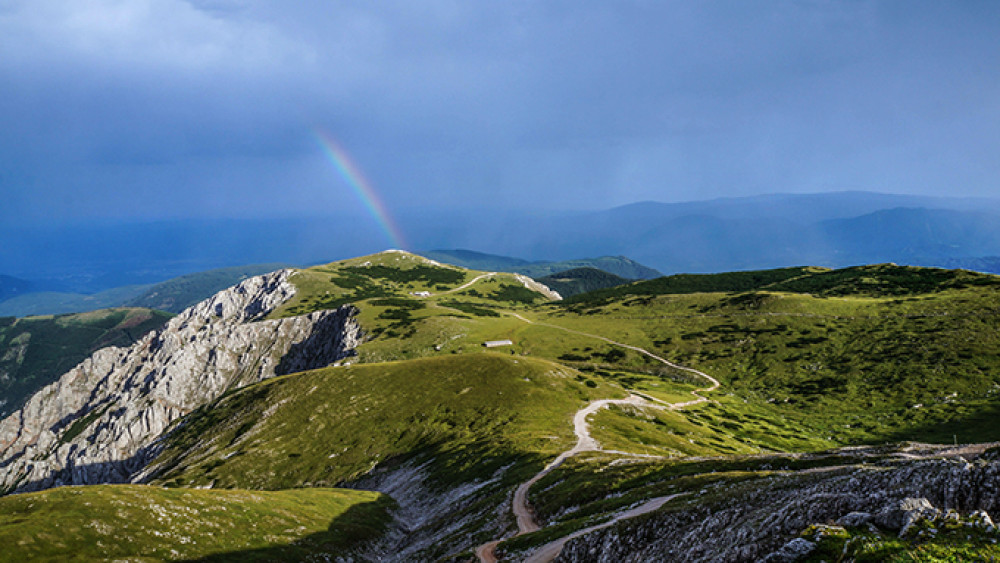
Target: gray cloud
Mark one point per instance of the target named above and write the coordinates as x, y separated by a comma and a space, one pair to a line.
165, 108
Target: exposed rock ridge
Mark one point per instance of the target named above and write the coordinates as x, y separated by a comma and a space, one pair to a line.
752, 522
98, 422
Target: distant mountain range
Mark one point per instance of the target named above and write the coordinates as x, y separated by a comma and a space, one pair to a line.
767, 231
723, 238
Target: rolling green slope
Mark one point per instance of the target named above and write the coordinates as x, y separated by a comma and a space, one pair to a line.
857, 355
866, 354
35, 351
141, 523
412, 307
469, 415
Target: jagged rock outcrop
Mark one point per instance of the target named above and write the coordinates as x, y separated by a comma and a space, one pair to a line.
99, 422
757, 520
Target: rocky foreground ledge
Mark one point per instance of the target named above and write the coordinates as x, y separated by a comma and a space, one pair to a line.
788, 515
99, 422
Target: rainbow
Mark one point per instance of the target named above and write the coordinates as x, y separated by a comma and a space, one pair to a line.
362, 187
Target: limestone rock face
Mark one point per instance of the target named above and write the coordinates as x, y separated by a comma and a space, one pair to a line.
99, 422
759, 519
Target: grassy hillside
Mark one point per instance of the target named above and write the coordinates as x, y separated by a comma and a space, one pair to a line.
862, 354
141, 523
581, 280
858, 355
617, 265
179, 293
468, 414
412, 307
35, 351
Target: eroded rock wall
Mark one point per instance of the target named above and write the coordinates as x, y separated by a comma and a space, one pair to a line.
99, 422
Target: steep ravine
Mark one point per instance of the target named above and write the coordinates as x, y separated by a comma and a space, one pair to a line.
99, 422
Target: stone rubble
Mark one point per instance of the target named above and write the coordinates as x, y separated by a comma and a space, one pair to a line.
759, 520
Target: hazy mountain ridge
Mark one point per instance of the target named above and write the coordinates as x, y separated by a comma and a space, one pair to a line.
706, 243
59, 303
768, 231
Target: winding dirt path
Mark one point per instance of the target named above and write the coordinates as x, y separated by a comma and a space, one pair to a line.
551, 550
714, 382
466, 284
526, 521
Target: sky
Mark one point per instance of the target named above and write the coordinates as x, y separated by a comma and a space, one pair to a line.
166, 109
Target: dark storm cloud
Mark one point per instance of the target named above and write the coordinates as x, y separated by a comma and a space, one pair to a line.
168, 108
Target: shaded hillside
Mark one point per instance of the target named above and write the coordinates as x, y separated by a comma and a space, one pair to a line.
466, 428
581, 280
35, 351
443, 410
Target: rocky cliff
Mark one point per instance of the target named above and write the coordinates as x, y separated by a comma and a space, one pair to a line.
99, 422
752, 521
